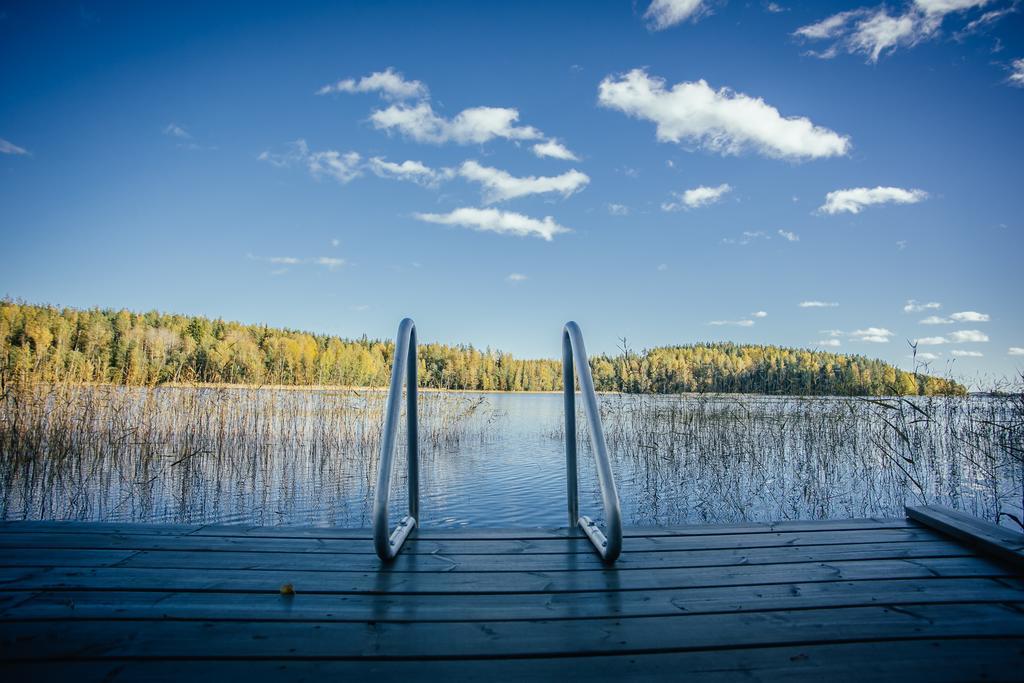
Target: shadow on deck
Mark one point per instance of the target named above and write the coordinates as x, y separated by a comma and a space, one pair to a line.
937, 595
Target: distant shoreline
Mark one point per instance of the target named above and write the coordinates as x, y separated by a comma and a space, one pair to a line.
436, 390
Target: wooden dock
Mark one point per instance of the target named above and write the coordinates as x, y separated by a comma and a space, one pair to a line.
834, 600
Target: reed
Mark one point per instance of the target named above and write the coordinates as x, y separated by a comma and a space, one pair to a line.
78, 451
723, 458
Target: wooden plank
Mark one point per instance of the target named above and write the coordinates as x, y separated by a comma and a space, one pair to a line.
989, 538
377, 608
349, 640
579, 563
414, 546
384, 582
937, 661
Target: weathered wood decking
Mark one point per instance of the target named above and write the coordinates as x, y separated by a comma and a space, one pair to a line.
841, 600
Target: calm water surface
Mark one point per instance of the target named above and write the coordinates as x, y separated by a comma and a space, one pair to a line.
497, 460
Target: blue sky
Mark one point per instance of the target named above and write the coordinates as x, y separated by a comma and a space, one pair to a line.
681, 172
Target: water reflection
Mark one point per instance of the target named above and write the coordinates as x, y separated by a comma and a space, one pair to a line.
302, 457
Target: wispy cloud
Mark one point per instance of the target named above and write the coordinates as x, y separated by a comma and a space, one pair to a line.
967, 354
855, 199
663, 14
831, 343
412, 171
618, 209
789, 236
760, 314
1016, 351
960, 317
499, 185
329, 262
970, 317
957, 337
875, 335
174, 130
697, 197
493, 220
389, 84
516, 277
554, 149
873, 31
914, 306
747, 237
7, 147
470, 126
342, 166
721, 120
818, 304
1016, 77
737, 323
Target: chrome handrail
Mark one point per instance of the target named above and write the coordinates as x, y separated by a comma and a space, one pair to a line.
574, 352
404, 364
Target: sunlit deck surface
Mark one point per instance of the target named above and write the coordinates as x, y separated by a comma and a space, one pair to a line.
827, 600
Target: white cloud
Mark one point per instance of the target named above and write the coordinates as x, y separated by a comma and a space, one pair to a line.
342, 166
388, 83
7, 147
329, 261
1016, 351
516, 277
413, 171
829, 342
958, 337
1016, 76
470, 126
970, 317
500, 185
663, 14
877, 335
618, 209
833, 333
775, 8
662, 267
936, 320
760, 314
818, 304
554, 149
697, 197
855, 199
747, 237
176, 131
872, 31
927, 355
967, 354
721, 120
961, 336
738, 323
789, 236
501, 222
913, 306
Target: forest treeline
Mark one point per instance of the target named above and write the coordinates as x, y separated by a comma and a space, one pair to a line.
118, 346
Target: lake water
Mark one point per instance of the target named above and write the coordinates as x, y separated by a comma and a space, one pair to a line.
304, 457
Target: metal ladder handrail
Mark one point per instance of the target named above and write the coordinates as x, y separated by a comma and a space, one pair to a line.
574, 352
404, 364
